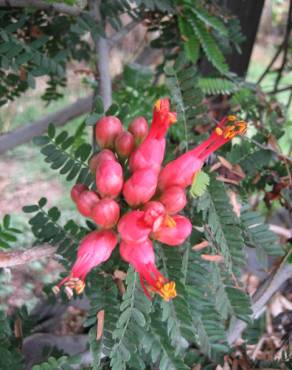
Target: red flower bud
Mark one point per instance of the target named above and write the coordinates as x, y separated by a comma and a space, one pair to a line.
124, 144
140, 187
106, 213
174, 199
86, 201
97, 158
77, 190
109, 179
139, 128
106, 130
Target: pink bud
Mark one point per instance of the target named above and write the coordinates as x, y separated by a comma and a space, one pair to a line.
124, 144
77, 190
97, 158
86, 201
106, 213
174, 231
154, 214
148, 155
140, 187
106, 130
139, 128
174, 199
109, 179
132, 228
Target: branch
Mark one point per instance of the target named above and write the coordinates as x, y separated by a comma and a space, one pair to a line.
27, 131
43, 5
103, 61
20, 257
261, 297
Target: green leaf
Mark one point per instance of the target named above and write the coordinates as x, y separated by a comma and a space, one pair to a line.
200, 183
6, 221
51, 131
42, 202
30, 209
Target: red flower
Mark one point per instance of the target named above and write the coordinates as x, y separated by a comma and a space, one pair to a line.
109, 178
151, 152
174, 230
181, 171
141, 257
140, 187
94, 249
154, 214
132, 227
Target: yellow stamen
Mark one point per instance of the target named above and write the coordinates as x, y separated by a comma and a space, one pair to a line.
168, 291
239, 128
172, 117
157, 105
75, 283
169, 222
219, 131
231, 118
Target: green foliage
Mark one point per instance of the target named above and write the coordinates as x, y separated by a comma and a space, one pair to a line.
57, 150
217, 86
258, 235
182, 81
200, 184
131, 323
10, 356
46, 229
8, 234
222, 227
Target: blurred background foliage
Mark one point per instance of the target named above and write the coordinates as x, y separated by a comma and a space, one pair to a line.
212, 58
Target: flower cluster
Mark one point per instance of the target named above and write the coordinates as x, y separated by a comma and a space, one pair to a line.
154, 194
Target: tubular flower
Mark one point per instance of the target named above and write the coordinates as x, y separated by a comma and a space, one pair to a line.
174, 230
151, 152
141, 257
181, 171
94, 249
174, 199
106, 213
132, 227
109, 178
140, 187
86, 201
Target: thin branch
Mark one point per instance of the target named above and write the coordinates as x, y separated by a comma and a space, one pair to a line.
280, 90
269, 66
27, 131
21, 257
39, 4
